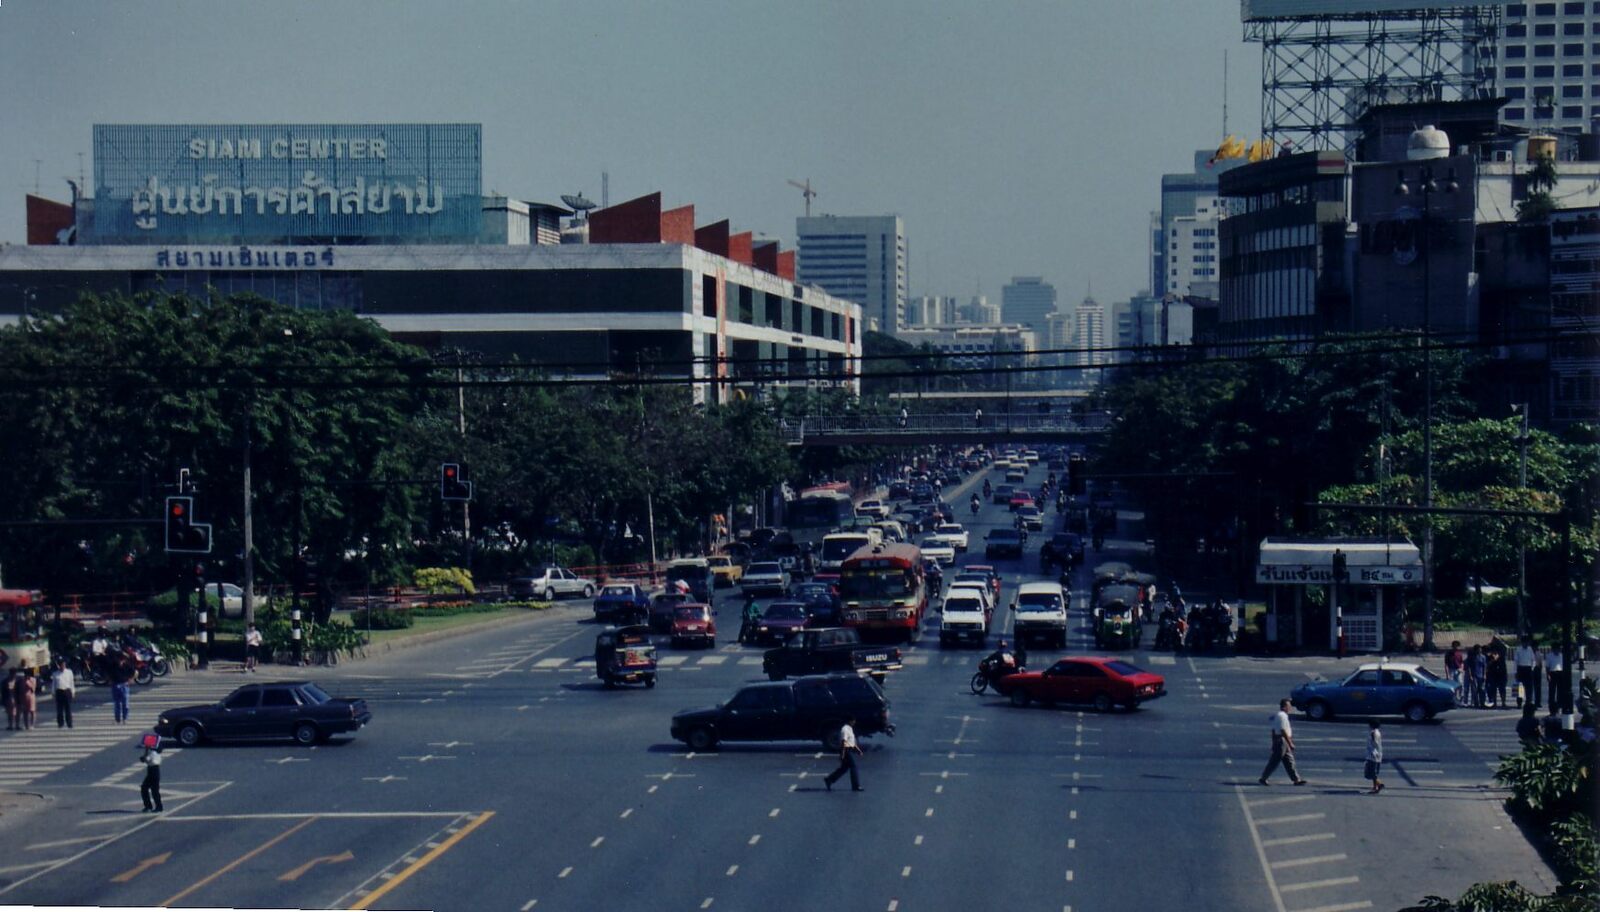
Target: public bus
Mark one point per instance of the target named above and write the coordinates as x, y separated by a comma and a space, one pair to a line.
23, 644
816, 513
883, 591
837, 546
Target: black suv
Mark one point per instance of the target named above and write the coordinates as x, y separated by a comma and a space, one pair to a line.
1063, 548
803, 709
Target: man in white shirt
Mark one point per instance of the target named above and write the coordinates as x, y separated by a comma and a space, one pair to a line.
847, 757
1282, 746
62, 684
1554, 669
1528, 677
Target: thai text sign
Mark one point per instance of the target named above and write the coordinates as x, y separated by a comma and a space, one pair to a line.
294, 183
1315, 575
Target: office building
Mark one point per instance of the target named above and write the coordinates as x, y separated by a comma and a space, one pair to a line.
1548, 66
860, 259
1027, 300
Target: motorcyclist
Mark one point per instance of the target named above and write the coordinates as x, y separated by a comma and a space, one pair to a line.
1001, 662
976, 504
749, 618
988, 489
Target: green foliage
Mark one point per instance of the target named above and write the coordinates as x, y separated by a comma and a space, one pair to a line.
334, 638
381, 619
1540, 202
442, 580
1548, 779
1577, 850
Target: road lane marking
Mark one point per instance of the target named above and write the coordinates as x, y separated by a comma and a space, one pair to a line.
550, 663
707, 903
893, 905
1264, 802
1069, 874
62, 842
905, 871
291, 815
1292, 818
1072, 843
1255, 837
597, 841
625, 814
564, 872
1314, 859
712, 660
754, 839
299, 872
1296, 840
30, 866
732, 870
673, 660
173, 900
529, 905
917, 841
774, 812
929, 813
1339, 907
1072, 815
402, 876
1319, 884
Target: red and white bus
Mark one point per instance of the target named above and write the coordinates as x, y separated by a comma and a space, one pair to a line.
883, 590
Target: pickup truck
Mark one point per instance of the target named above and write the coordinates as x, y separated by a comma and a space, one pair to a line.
825, 650
965, 619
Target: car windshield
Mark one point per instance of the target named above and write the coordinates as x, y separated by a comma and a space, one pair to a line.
1123, 668
837, 549
785, 611
886, 583
962, 603
314, 694
617, 590
690, 614
949, 529
689, 572
1425, 674
763, 570
932, 542
1038, 601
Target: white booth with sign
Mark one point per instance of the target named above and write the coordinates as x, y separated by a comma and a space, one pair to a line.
1375, 574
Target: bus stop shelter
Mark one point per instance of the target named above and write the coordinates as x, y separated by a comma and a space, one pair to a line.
1377, 573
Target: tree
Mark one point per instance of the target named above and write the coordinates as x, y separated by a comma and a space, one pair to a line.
1540, 201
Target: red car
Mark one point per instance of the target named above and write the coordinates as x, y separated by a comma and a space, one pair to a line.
1101, 682
693, 623
1020, 499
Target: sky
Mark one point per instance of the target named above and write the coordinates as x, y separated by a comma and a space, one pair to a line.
1014, 138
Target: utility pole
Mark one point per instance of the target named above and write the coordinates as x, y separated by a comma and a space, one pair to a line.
248, 582
1522, 541
461, 425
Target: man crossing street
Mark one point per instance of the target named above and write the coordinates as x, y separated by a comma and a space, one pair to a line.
61, 685
848, 749
1282, 746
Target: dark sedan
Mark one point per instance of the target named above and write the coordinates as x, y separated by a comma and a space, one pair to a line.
296, 709
780, 622
821, 601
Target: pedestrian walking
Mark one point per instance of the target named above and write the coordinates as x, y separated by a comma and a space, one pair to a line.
121, 676
1554, 675
1454, 663
1528, 679
150, 788
1374, 756
977, 418
1282, 747
848, 749
1495, 680
8, 696
61, 685
28, 699
252, 647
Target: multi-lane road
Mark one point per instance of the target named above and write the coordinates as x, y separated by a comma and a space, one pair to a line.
499, 774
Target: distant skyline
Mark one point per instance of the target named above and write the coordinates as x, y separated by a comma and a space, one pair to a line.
1014, 138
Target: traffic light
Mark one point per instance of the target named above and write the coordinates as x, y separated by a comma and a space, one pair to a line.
1077, 484
452, 484
184, 535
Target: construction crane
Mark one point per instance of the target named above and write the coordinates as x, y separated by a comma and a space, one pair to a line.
805, 191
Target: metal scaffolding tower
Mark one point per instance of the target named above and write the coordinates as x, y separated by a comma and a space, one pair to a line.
1324, 63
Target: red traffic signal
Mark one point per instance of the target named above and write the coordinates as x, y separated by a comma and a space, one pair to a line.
451, 484
183, 535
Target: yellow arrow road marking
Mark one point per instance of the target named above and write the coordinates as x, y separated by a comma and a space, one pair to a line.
296, 873
142, 867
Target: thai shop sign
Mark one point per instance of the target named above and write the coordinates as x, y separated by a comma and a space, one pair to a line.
1315, 575
276, 183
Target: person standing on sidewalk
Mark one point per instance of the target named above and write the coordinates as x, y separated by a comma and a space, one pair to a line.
1495, 681
1554, 669
1374, 756
1282, 747
150, 788
252, 647
848, 749
28, 699
1453, 665
8, 695
1528, 678
61, 684
1477, 666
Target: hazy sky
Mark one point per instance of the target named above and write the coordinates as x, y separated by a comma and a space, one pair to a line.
1015, 138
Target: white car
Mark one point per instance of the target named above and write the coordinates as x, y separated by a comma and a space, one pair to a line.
952, 533
1477, 584
876, 509
981, 590
1040, 612
936, 548
765, 576
963, 618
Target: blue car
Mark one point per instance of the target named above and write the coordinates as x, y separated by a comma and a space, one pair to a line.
1377, 689
622, 603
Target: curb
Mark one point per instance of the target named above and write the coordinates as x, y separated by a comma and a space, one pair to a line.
434, 636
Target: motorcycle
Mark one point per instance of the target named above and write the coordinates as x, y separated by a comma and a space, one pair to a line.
989, 671
975, 506
147, 653
99, 673
988, 489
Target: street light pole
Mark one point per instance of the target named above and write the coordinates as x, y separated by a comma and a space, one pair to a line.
1522, 542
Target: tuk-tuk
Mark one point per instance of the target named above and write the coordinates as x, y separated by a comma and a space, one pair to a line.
1116, 618
625, 655
23, 643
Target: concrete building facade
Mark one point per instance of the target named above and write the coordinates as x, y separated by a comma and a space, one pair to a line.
857, 258
1028, 300
1548, 65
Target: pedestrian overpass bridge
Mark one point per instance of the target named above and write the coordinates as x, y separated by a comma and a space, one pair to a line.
964, 427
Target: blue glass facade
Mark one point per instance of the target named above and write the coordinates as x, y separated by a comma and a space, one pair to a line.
285, 183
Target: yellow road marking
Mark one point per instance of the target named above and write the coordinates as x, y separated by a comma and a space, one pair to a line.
366, 901
297, 873
173, 900
142, 867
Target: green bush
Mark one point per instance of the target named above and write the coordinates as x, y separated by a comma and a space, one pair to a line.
382, 619
1547, 779
1577, 852
444, 580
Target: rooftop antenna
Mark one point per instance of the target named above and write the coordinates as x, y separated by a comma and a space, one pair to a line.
1224, 93
805, 191
605, 189
579, 204
80, 169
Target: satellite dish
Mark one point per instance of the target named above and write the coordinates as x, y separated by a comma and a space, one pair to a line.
578, 203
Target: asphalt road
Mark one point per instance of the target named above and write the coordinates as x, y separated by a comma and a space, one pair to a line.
499, 774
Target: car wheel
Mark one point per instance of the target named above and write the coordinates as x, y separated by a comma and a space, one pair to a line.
702, 739
306, 733
1019, 698
549, 595
189, 734
1318, 711
588, 592
1418, 711
1102, 702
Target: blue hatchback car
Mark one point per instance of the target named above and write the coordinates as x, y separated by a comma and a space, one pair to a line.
1377, 689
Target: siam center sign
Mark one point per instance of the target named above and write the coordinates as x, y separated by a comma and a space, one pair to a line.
285, 183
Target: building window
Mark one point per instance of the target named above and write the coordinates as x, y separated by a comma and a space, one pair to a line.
1573, 9
1516, 31
1572, 50
1516, 92
1516, 52
1517, 10
1544, 50
1515, 114
708, 296
747, 305
1594, 90
1544, 9
1572, 91
1544, 71
1572, 111
1572, 28
1572, 69
1516, 72
1545, 31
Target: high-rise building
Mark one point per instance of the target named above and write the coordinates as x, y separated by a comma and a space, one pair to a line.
978, 310
1089, 334
859, 258
1192, 252
1549, 64
1184, 196
1028, 300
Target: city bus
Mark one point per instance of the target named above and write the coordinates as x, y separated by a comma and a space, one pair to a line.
818, 512
883, 591
23, 644
838, 546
